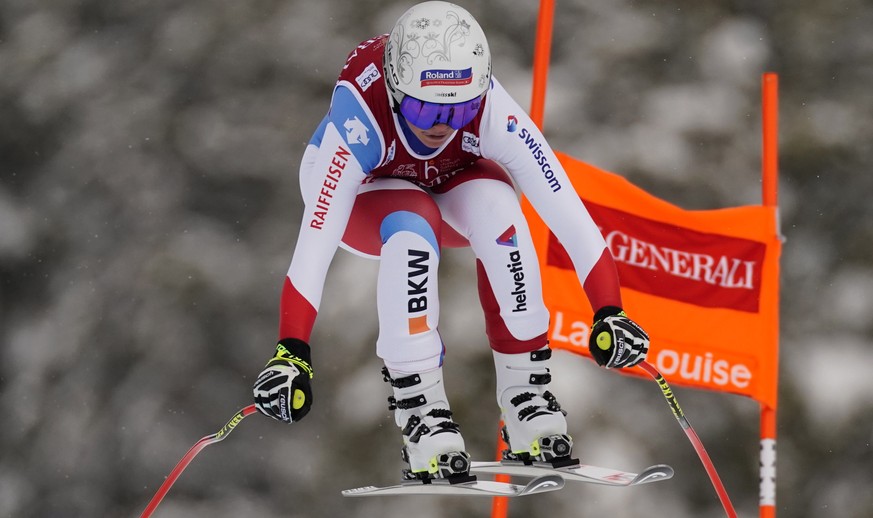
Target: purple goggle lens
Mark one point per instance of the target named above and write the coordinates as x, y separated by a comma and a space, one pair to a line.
426, 115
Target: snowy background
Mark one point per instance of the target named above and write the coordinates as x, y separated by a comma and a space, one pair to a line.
149, 205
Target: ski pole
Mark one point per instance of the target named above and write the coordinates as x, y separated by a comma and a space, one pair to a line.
199, 445
693, 437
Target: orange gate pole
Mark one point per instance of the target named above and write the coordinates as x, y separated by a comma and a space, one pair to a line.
769, 194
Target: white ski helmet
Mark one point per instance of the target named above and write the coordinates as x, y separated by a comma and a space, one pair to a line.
437, 54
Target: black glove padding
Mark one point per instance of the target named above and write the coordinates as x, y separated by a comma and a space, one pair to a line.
282, 390
617, 341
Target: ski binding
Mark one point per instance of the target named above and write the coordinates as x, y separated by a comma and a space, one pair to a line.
578, 473
541, 483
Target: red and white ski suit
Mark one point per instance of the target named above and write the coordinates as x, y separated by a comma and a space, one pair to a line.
370, 186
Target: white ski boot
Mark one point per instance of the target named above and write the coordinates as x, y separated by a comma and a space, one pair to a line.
535, 427
433, 445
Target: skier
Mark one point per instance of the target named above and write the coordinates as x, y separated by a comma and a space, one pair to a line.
407, 161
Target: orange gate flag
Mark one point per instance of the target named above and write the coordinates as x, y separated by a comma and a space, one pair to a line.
703, 284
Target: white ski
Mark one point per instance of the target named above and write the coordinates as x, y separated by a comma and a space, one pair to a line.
580, 473
540, 484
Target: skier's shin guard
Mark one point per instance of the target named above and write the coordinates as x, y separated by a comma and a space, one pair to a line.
535, 426
433, 445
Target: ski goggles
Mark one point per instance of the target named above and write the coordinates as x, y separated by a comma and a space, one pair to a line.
425, 115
